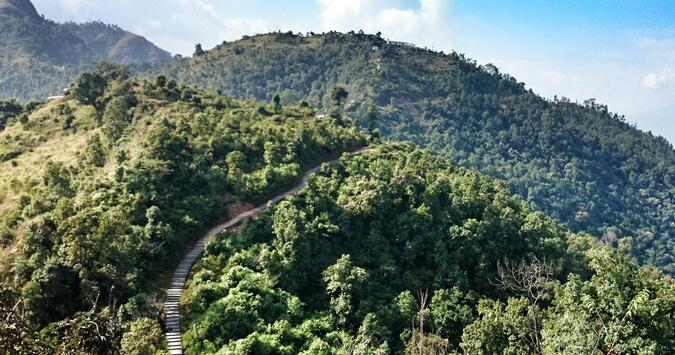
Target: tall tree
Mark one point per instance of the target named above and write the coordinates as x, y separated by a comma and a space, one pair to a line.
115, 119
277, 104
198, 50
88, 88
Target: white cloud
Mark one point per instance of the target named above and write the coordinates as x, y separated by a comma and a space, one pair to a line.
657, 51
659, 46
423, 25
335, 12
199, 21
656, 79
650, 81
175, 25
72, 6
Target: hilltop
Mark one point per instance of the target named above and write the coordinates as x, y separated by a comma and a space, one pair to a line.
580, 163
39, 57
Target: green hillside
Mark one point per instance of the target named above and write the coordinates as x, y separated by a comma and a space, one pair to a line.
39, 57
101, 193
581, 164
396, 251
507, 223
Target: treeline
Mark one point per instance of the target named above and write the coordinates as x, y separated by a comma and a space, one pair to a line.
581, 164
161, 163
398, 251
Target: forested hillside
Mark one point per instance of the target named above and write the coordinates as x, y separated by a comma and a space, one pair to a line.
581, 164
397, 251
101, 192
39, 57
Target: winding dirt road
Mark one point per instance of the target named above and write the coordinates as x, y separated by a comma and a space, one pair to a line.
173, 294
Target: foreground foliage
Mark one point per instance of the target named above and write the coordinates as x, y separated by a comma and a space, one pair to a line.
397, 251
160, 164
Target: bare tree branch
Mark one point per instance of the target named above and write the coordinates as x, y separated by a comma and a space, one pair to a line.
529, 279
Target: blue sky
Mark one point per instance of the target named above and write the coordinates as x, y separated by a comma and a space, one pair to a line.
620, 52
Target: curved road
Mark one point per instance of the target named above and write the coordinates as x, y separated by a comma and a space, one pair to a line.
172, 300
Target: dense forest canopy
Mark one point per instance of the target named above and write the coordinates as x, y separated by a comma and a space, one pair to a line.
39, 57
395, 250
581, 164
102, 191
507, 223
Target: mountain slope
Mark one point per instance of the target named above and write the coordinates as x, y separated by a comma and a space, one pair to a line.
26, 35
395, 251
39, 57
579, 163
116, 45
98, 203
18, 8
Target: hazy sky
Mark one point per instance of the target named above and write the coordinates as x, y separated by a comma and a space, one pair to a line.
621, 52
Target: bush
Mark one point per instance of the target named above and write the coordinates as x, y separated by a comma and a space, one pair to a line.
144, 338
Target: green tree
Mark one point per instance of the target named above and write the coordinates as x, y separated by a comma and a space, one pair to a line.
500, 328
198, 50
51, 293
144, 338
343, 284
94, 153
8, 110
621, 309
161, 81
85, 333
23, 118
339, 96
15, 332
277, 104
451, 311
235, 161
88, 87
57, 178
115, 119
112, 72
373, 116
67, 122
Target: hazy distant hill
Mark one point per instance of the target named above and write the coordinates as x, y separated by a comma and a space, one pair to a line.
115, 44
581, 164
38, 57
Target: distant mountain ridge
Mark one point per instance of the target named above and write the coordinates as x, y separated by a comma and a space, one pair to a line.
38, 57
116, 45
19, 7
